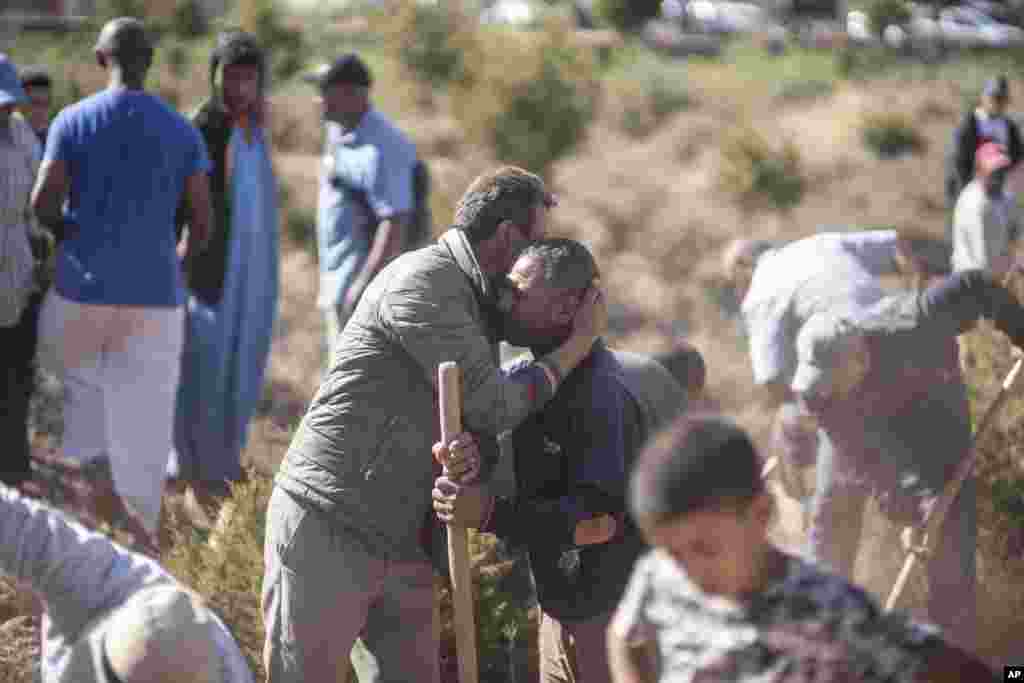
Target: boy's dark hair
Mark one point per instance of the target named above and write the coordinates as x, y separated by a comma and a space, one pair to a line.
701, 462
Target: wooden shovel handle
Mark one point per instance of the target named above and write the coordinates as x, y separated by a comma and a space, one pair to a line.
932, 525
450, 403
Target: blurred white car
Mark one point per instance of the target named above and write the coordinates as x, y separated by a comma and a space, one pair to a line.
968, 27
858, 27
724, 16
509, 12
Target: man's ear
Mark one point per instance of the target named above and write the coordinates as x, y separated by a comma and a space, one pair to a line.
503, 239
101, 59
763, 508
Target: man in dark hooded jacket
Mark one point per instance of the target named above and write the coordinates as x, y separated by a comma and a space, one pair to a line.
233, 284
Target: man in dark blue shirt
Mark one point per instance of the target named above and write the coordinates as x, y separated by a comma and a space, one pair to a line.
571, 464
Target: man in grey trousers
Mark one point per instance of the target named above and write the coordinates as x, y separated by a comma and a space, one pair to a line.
344, 550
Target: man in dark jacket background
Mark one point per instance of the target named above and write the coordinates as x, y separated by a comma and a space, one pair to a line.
986, 123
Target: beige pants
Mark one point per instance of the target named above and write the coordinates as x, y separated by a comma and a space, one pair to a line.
574, 652
120, 367
323, 589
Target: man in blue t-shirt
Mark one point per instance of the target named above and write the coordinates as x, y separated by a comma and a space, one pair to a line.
113, 324
366, 190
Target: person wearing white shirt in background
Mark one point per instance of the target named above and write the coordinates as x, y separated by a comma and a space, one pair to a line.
986, 220
780, 286
988, 122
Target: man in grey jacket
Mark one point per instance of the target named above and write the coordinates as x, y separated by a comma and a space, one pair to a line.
344, 545
111, 615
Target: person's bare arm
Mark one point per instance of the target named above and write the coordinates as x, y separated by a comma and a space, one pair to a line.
199, 211
48, 196
629, 663
387, 244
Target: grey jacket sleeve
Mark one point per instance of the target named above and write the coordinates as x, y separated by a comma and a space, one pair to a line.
954, 304
78, 573
437, 319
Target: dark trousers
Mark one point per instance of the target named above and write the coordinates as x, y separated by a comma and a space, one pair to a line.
18, 345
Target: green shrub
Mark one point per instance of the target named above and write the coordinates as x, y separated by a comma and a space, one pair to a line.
111, 9
286, 46
64, 93
890, 134
883, 13
647, 93
426, 40
188, 20
626, 15
801, 90
300, 228
177, 58
758, 173
529, 96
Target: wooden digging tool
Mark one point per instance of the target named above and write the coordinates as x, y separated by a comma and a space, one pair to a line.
931, 528
458, 541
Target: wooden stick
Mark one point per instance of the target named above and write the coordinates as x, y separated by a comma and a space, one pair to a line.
932, 525
458, 540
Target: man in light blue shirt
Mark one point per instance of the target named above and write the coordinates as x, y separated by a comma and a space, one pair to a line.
366, 190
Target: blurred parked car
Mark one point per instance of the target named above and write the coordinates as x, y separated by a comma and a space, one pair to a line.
669, 38
727, 17
964, 26
509, 12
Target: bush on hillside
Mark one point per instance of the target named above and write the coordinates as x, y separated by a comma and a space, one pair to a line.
758, 173
626, 15
803, 90
111, 9
286, 45
883, 13
648, 93
176, 56
188, 20
528, 96
426, 41
890, 134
